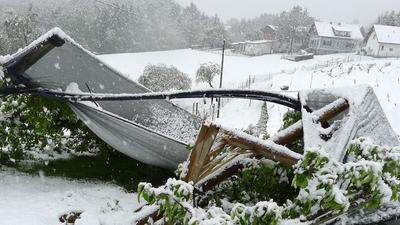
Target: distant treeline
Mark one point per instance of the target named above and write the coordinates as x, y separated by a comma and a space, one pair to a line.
390, 18
109, 26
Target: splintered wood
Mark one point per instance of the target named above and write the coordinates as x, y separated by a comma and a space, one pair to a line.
219, 153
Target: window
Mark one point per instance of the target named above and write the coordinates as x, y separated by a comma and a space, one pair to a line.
391, 49
327, 42
349, 45
341, 33
382, 48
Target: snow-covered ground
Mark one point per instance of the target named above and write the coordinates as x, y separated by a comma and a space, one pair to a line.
40, 200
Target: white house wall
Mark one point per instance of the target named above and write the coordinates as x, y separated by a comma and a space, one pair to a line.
258, 49
372, 45
389, 50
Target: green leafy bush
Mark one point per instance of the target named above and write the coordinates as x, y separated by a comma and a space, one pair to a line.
261, 181
33, 127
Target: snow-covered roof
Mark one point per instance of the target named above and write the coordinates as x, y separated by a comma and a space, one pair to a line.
387, 34
258, 42
327, 29
272, 27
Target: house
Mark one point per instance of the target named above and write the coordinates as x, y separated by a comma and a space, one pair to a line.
269, 32
253, 48
258, 47
329, 37
383, 41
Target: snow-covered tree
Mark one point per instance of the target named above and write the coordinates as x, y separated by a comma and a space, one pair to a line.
249, 29
262, 122
163, 78
20, 28
293, 26
207, 72
113, 26
391, 18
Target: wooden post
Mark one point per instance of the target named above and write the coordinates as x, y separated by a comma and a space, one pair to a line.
220, 78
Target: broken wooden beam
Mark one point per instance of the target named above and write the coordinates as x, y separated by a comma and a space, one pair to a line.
331, 110
228, 170
266, 148
288, 135
326, 113
198, 156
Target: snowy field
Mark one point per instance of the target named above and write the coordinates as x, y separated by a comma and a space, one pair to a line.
237, 68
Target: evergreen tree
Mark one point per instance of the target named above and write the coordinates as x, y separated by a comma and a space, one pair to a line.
262, 122
389, 18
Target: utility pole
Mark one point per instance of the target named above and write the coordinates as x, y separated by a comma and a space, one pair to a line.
220, 78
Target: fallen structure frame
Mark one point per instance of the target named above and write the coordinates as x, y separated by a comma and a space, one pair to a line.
218, 152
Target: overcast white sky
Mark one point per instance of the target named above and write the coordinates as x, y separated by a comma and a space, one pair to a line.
366, 11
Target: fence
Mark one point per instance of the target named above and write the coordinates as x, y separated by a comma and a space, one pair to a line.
208, 108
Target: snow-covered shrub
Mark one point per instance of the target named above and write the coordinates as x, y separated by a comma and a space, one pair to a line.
33, 127
207, 72
262, 180
163, 78
368, 179
326, 188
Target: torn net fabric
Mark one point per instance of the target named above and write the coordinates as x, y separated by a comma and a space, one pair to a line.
152, 131
363, 118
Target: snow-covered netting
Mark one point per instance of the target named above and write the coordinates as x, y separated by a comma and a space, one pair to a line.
155, 132
363, 118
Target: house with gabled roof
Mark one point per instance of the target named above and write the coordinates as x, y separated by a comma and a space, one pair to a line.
329, 37
383, 41
269, 32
